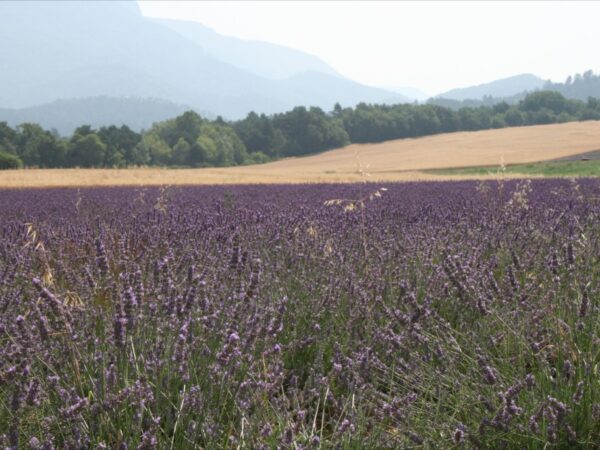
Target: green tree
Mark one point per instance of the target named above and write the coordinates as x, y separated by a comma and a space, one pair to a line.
87, 151
181, 152
550, 100
8, 139
187, 126
469, 119
310, 131
513, 117
260, 135
498, 121
157, 150
38, 147
257, 158
53, 152
230, 150
139, 156
9, 161
425, 120
204, 152
83, 130
121, 143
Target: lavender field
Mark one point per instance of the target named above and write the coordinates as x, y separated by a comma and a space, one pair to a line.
424, 315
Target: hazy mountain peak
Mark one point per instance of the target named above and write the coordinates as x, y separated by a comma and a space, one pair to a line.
410, 92
504, 87
260, 58
88, 50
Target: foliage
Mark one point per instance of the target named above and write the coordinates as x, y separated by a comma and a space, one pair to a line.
581, 86
9, 161
87, 150
192, 141
121, 145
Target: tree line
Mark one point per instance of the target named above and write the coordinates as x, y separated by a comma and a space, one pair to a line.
581, 86
192, 141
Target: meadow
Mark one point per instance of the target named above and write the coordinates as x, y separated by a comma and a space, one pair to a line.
581, 168
397, 315
437, 157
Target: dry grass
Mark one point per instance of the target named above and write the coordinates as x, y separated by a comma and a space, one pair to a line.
399, 160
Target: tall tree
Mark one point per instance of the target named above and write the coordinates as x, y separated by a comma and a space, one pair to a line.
87, 151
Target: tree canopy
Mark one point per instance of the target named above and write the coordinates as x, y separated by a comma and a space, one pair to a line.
190, 140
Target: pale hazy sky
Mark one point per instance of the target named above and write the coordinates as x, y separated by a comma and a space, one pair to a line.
434, 46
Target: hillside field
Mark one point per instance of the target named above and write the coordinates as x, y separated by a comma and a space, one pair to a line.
398, 160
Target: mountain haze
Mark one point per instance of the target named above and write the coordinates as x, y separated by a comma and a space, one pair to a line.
579, 87
410, 92
260, 58
80, 50
505, 87
65, 116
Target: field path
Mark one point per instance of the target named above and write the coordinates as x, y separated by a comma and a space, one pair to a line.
398, 160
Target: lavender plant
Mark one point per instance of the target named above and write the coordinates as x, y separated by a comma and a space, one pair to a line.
140, 320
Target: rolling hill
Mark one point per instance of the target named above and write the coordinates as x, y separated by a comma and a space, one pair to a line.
505, 87
65, 116
463, 149
399, 160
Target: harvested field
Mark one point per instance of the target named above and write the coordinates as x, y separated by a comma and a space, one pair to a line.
398, 160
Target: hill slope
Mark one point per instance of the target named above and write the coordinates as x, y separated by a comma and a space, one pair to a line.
67, 50
462, 149
397, 160
580, 87
504, 87
66, 115
260, 58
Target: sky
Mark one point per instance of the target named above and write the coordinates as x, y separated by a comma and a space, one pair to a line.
433, 46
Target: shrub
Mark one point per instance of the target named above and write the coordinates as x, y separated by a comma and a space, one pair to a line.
9, 161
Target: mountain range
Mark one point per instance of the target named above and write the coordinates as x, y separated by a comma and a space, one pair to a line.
73, 50
69, 63
505, 87
66, 115
271, 61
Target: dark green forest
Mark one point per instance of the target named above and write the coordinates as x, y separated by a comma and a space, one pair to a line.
192, 141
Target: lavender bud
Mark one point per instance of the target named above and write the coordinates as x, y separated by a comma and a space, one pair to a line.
585, 303
34, 443
458, 435
578, 395
534, 425
489, 375
101, 260
530, 380
233, 338
568, 369
266, 430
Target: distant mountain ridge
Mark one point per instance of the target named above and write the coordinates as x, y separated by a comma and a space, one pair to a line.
412, 93
78, 50
263, 59
65, 116
504, 87
577, 87
64, 64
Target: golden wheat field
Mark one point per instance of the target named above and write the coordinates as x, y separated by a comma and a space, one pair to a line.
398, 160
